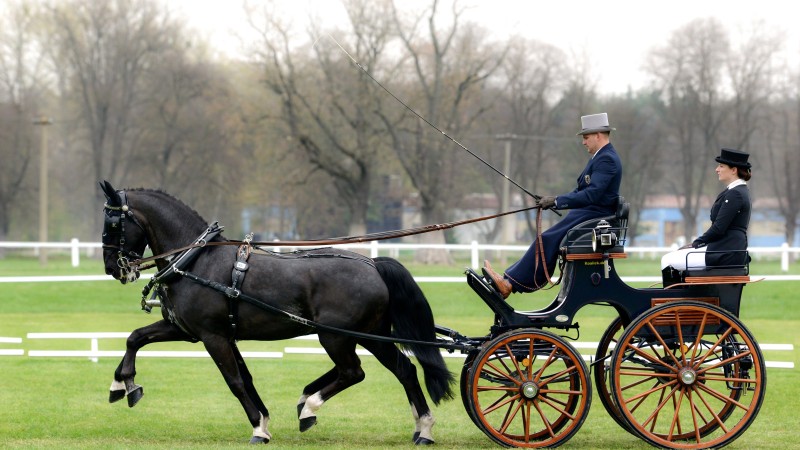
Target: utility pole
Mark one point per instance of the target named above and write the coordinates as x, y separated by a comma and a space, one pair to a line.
506, 222
43, 121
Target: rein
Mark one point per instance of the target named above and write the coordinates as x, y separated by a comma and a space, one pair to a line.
383, 235
540, 259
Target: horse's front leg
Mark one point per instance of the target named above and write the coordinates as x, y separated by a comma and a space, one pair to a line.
123, 385
231, 365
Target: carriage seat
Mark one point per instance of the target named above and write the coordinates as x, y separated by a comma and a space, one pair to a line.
735, 273
579, 239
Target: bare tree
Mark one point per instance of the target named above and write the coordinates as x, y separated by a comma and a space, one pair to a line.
328, 104
103, 50
446, 69
782, 159
530, 84
639, 140
187, 127
22, 80
753, 68
688, 73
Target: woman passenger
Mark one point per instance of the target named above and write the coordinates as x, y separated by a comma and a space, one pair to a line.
725, 241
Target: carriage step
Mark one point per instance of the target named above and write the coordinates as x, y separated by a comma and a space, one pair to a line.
491, 297
724, 279
594, 256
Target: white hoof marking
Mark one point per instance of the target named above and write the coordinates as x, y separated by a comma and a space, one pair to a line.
261, 430
312, 404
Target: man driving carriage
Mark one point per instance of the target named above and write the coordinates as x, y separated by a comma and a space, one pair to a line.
595, 196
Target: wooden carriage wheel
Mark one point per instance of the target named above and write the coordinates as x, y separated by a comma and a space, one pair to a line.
687, 375
529, 388
466, 370
602, 373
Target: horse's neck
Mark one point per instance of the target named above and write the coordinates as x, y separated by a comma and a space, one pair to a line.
170, 223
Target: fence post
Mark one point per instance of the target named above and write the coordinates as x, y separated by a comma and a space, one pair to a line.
373, 249
785, 257
474, 255
95, 349
75, 251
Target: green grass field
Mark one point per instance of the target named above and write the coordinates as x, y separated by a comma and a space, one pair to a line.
62, 402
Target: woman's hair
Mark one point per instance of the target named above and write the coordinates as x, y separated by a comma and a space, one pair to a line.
743, 173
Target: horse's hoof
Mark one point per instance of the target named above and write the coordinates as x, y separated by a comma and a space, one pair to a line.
259, 440
135, 395
307, 423
423, 441
115, 396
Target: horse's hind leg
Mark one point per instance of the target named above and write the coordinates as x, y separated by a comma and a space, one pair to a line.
231, 365
316, 385
342, 351
401, 366
123, 384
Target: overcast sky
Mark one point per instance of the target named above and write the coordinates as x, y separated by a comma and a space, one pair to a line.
617, 33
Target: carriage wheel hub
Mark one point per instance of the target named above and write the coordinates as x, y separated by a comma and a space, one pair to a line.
687, 376
529, 390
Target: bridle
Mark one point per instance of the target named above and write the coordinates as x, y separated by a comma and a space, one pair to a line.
114, 237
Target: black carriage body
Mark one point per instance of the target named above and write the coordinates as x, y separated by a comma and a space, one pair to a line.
590, 277
586, 282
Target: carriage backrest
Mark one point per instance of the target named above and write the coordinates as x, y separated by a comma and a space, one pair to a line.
579, 238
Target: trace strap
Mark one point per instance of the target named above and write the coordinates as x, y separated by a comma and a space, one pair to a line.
311, 324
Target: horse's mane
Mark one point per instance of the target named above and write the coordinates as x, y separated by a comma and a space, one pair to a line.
163, 193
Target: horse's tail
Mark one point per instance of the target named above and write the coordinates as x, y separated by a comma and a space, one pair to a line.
412, 319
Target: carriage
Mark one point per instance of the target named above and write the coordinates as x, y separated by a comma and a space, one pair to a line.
676, 368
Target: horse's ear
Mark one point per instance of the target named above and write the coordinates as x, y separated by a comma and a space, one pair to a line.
111, 194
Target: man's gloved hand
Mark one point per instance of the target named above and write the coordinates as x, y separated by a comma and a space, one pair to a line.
546, 202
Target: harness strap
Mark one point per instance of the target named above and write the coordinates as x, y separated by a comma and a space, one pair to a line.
237, 278
316, 325
178, 263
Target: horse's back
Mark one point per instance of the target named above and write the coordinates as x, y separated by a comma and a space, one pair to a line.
331, 286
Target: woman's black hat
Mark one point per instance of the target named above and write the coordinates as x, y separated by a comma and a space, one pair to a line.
733, 158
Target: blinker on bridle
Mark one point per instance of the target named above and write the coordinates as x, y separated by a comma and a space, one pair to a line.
114, 225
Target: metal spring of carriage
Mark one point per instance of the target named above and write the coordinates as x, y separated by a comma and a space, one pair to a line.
677, 368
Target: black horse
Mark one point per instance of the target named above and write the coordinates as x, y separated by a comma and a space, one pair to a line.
322, 291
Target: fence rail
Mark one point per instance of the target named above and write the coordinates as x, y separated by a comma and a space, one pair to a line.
376, 248
94, 352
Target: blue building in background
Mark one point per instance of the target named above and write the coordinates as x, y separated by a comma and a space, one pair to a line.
661, 223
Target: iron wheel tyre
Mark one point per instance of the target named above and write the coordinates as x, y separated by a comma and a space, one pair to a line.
529, 388
602, 371
679, 372
466, 369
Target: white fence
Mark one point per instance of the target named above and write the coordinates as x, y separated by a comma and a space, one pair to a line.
376, 248
94, 352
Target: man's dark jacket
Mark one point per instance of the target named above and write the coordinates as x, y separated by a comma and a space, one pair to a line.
595, 196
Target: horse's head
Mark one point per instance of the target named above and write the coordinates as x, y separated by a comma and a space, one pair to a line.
124, 238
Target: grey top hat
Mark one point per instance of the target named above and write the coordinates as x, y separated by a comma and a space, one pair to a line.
733, 158
595, 123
